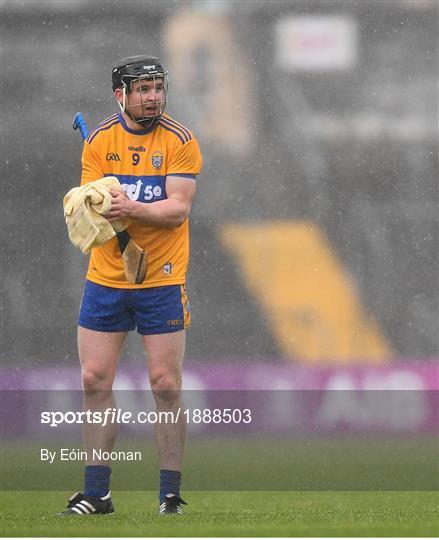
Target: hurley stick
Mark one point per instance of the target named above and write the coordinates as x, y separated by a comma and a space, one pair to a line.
134, 258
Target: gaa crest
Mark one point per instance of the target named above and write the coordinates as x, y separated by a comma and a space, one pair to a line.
157, 160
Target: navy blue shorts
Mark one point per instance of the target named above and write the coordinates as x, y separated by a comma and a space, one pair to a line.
157, 310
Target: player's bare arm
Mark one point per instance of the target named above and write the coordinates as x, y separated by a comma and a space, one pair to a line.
168, 213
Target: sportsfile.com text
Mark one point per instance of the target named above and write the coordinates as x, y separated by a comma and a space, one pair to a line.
118, 416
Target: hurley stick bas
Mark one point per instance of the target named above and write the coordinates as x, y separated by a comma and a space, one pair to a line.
134, 258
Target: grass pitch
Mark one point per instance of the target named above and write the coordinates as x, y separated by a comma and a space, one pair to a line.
314, 464
326, 487
400, 514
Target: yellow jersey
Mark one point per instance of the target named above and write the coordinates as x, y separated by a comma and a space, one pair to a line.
142, 160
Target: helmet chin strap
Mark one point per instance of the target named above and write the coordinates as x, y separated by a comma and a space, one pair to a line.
122, 105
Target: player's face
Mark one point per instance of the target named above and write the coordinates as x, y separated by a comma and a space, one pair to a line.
146, 98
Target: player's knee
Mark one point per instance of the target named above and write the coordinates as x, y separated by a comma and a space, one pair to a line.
95, 380
166, 386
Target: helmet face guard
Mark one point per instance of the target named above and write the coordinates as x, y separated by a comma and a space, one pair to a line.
150, 72
150, 110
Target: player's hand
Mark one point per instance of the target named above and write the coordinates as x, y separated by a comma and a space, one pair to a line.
121, 206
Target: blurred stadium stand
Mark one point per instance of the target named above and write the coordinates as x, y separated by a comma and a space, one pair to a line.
352, 150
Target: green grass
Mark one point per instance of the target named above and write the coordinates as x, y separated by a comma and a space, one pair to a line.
247, 464
231, 514
326, 487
